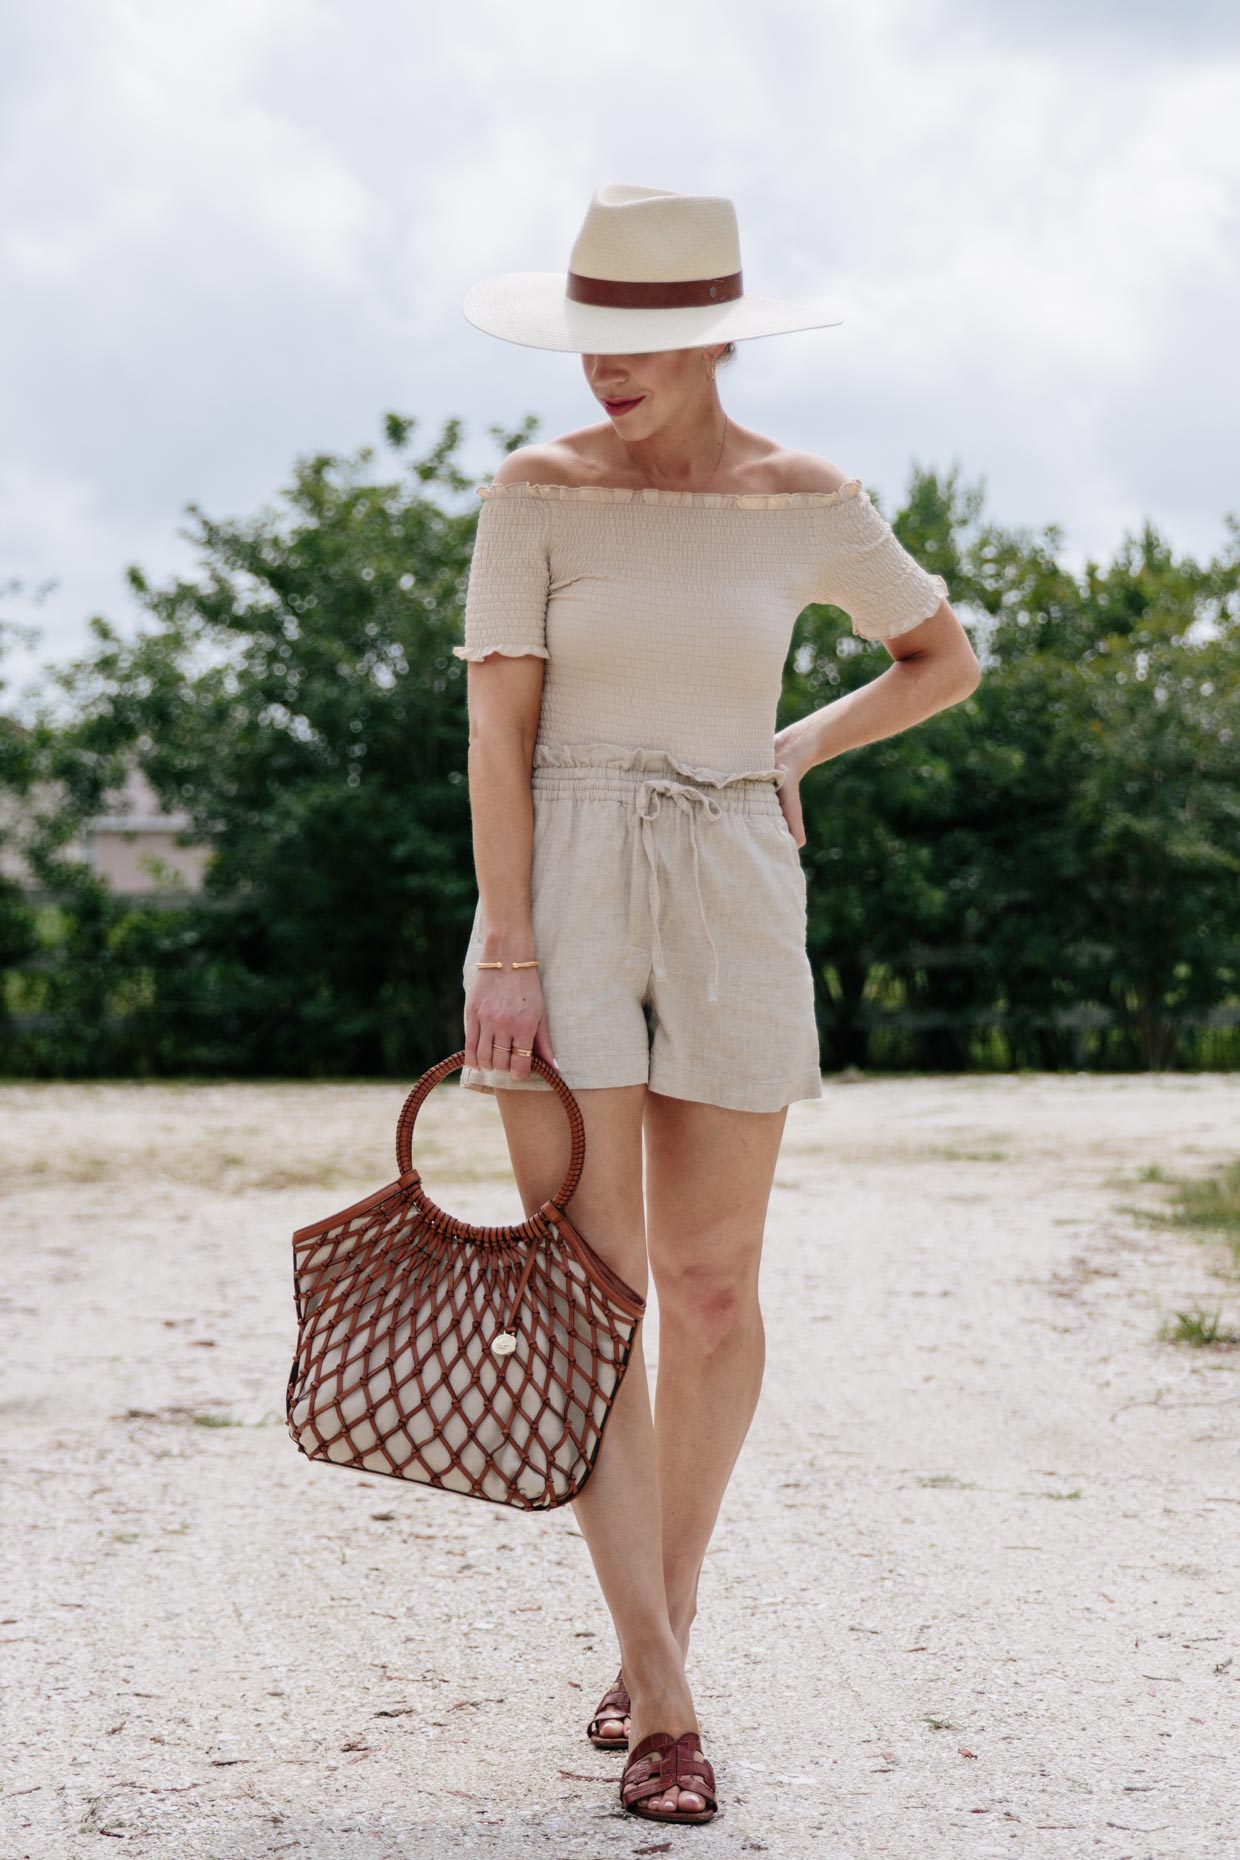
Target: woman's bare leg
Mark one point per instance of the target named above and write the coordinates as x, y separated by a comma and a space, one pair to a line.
708, 1183
618, 1508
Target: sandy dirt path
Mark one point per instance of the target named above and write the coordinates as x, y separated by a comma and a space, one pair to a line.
975, 1590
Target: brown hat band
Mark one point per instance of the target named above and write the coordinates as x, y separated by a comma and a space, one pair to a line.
623, 294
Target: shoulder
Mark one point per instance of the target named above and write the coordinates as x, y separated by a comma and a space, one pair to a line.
805, 471
548, 463
576, 459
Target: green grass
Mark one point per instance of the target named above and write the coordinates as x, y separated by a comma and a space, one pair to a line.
1199, 1330
1208, 1207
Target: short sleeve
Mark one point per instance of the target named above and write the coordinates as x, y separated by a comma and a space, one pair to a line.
864, 569
509, 577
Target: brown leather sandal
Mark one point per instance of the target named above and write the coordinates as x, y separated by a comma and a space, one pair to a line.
661, 1762
615, 1703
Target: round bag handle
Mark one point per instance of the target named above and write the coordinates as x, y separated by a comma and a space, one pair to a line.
527, 1230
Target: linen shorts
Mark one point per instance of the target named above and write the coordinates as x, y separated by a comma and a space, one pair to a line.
669, 916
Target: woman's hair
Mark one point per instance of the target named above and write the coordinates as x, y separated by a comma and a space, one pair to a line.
729, 355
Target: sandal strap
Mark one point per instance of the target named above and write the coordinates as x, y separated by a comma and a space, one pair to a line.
661, 1762
616, 1695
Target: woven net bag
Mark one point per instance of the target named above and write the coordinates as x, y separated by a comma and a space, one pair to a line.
482, 1360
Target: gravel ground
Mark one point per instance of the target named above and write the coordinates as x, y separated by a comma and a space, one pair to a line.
973, 1591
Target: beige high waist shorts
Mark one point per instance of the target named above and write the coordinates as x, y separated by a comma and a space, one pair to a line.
669, 914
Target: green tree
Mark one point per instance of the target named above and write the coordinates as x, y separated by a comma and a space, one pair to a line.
1063, 846
298, 699
1043, 875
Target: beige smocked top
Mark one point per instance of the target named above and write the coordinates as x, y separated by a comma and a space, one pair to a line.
665, 617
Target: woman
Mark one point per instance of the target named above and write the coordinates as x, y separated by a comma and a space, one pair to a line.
631, 600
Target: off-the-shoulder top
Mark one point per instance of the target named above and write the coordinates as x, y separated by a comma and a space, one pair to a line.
665, 617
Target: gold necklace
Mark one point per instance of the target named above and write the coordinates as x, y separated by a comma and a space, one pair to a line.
722, 443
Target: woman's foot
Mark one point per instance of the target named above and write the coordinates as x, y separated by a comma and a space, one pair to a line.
609, 1727
661, 1767
664, 1703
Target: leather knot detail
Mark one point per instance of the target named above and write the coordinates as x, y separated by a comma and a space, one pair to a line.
660, 1762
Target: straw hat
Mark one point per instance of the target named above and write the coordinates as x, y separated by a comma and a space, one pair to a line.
648, 270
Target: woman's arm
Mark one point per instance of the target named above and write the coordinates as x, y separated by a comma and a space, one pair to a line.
935, 667
506, 651
868, 573
505, 697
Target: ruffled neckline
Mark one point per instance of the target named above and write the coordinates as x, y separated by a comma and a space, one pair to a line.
649, 494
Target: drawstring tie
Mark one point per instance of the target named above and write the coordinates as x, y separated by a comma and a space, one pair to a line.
689, 800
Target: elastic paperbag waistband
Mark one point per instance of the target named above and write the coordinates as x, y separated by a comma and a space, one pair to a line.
604, 770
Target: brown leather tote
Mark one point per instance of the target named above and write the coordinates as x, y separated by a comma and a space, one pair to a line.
482, 1360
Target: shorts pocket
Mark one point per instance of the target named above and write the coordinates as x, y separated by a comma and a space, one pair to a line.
781, 831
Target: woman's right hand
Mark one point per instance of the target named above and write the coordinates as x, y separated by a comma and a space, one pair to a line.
504, 1009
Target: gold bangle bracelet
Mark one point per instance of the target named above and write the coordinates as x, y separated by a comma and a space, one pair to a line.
512, 965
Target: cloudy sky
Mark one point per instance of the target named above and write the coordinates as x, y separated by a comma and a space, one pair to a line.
235, 233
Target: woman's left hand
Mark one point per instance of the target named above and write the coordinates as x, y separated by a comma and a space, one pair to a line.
790, 791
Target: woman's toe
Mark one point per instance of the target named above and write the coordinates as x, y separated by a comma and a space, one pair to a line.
675, 1798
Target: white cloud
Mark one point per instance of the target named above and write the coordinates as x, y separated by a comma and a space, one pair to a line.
237, 233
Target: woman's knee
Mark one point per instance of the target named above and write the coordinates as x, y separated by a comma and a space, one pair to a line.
708, 1303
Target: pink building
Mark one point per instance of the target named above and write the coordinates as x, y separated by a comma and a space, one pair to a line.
122, 844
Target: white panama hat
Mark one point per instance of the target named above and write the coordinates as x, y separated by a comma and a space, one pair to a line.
648, 270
